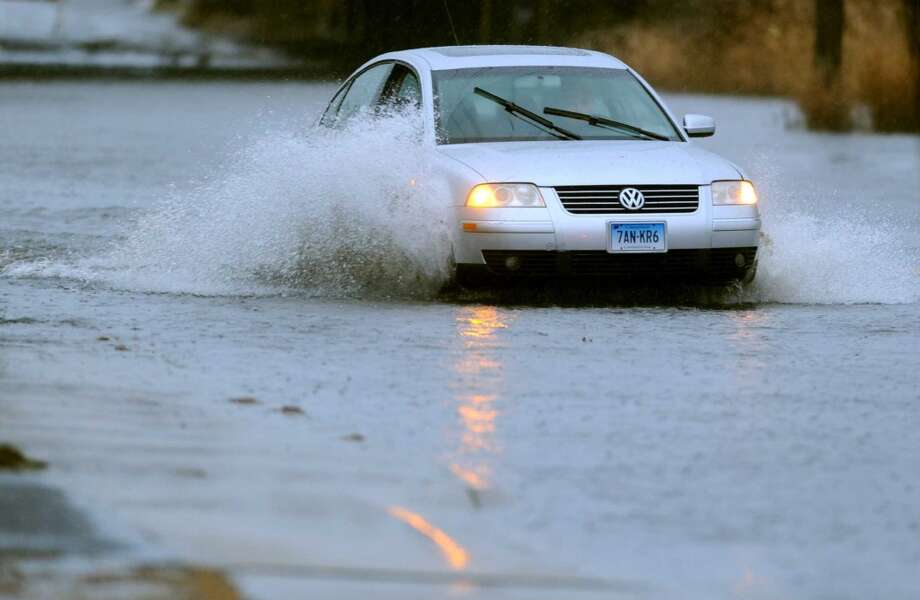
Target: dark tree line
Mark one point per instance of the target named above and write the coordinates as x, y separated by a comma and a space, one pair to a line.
342, 33
350, 30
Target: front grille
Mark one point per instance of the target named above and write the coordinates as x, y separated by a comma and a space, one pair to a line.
714, 264
603, 199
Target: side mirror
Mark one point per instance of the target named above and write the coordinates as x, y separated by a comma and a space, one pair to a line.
699, 125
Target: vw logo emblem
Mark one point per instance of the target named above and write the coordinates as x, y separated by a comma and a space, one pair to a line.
632, 199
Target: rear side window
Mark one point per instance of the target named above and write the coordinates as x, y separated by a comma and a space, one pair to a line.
404, 88
360, 95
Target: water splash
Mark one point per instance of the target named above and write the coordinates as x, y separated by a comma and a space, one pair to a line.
835, 260
350, 212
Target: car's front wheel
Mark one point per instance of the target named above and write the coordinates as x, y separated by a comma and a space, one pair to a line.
473, 276
749, 274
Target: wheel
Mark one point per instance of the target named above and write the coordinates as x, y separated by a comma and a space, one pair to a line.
473, 276
749, 274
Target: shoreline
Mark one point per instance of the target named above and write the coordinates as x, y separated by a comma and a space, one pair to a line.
32, 72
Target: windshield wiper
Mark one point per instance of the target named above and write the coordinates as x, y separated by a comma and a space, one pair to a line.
520, 111
604, 122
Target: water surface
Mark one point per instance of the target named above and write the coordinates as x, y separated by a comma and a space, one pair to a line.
166, 248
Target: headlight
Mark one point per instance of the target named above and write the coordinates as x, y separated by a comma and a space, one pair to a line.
504, 195
733, 192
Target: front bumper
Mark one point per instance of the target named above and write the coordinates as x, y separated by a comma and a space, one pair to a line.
552, 239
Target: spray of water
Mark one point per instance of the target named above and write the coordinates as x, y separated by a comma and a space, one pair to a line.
835, 260
353, 212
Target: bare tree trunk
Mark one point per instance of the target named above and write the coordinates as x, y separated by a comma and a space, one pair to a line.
912, 20
824, 102
829, 22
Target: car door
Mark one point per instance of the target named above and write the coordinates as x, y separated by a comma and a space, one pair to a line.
359, 95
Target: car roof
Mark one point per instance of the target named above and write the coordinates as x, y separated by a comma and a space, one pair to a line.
463, 57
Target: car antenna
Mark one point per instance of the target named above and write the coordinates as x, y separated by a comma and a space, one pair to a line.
450, 20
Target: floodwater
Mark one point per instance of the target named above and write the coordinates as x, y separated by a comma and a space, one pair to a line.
223, 333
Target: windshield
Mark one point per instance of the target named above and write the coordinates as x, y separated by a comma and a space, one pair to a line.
464, 116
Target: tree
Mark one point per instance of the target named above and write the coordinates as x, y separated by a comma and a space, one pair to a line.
912, 21
824, 103
829, 23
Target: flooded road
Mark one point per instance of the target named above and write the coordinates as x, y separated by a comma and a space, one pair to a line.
212, 380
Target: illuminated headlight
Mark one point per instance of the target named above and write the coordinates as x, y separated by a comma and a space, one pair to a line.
733, 192
504, 195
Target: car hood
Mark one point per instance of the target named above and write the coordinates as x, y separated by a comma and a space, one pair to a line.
600, 162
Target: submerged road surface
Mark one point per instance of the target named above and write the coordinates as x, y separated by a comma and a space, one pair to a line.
216, 381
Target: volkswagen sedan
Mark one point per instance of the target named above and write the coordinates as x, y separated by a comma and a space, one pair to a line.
566, 163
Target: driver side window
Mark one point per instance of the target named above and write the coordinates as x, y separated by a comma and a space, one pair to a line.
359, 96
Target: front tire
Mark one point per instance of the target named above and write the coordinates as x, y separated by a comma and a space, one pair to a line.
749, 274
473, 276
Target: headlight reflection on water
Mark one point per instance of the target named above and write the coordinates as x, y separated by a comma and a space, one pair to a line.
479, 378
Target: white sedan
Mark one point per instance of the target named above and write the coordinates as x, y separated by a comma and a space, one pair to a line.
565, 163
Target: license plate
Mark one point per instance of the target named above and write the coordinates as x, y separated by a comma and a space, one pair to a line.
638, 237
